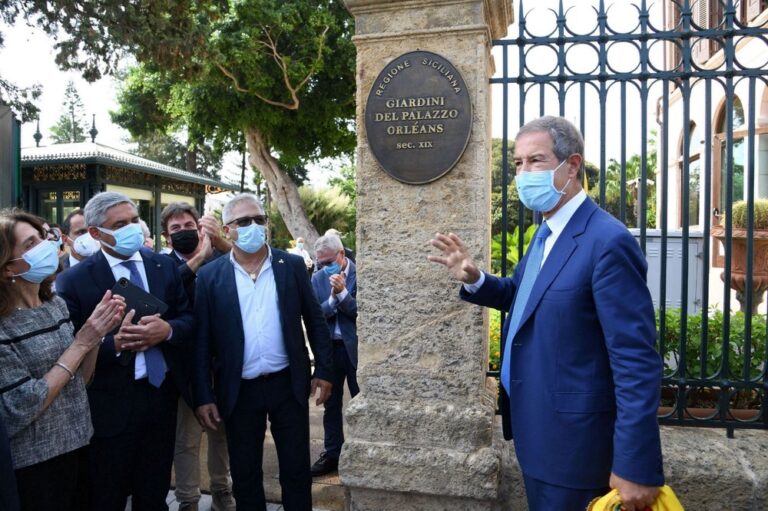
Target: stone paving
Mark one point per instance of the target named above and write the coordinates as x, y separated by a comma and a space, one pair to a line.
327, 492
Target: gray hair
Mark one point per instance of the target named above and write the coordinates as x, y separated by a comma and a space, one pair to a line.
96, 209
566, 139
145, 228
226, 214
329, 241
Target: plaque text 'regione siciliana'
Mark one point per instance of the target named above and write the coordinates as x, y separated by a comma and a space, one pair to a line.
418, 117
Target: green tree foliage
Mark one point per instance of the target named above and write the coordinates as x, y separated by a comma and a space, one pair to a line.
71, 125
327, 208
345, 181
631, 185
166, 149
497, 206
20, 99
279, 73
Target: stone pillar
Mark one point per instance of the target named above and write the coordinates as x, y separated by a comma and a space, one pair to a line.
420, 433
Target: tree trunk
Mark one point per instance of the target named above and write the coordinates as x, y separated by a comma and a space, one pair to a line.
282, 189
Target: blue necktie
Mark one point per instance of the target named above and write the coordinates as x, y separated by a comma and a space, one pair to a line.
535, 255
153, 357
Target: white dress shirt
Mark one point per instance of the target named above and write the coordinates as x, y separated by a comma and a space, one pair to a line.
556, 223
302, 253
264, 350
72, 260
120, 271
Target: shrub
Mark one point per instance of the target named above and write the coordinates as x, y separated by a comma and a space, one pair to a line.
513, 241
741, 213
494, 346
713, 357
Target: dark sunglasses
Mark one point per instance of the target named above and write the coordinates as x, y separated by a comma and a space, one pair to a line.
245, 221
323, 264
52, 235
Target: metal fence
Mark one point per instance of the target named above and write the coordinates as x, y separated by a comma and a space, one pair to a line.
672, 100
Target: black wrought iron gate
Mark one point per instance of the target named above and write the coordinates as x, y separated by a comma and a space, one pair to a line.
672, 99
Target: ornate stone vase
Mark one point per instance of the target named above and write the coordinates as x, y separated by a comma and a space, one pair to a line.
739, 263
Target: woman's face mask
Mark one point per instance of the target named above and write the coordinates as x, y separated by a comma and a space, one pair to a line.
43, 260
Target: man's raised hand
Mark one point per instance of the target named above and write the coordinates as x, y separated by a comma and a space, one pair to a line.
455, 256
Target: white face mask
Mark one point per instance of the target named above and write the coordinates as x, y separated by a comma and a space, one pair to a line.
85, 245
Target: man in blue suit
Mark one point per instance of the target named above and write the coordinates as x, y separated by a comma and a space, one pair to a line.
580, 374
335, 285
139, 370
250, 306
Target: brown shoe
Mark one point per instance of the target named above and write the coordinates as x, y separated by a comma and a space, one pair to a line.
187, 506
223, 501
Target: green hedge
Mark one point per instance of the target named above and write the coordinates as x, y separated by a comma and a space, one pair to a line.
713, 359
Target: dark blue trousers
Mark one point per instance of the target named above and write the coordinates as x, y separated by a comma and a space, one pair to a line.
548, 497
332, 418
137, 461
261, 398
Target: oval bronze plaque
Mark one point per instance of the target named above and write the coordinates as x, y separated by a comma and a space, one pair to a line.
418, 117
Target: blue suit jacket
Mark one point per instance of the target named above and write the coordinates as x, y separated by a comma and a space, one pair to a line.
220, 339
82, 287
345, 311
585, 376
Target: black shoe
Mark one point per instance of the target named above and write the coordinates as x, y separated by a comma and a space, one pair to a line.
324, 465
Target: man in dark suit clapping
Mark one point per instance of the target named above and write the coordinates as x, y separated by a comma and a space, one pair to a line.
250, 306
335, 285
139, 369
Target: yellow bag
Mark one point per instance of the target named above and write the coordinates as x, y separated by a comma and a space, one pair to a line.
665, 501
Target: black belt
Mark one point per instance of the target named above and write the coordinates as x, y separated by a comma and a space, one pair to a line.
267, 376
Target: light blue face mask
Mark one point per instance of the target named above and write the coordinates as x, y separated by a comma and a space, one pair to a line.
43, 261
332, 269
128, 239
537, 191
251, 238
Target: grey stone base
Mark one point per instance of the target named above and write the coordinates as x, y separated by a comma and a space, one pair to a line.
443, 472
707, 470
373, 500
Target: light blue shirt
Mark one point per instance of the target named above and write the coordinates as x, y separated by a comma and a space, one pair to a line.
334, 302
556, 223
264, 349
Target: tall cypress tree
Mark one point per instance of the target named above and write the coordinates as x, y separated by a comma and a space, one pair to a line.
71, 125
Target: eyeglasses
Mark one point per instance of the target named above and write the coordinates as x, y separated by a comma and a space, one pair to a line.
245, 221
52, 235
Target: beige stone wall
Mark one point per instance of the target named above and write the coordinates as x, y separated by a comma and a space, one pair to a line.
423, 423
